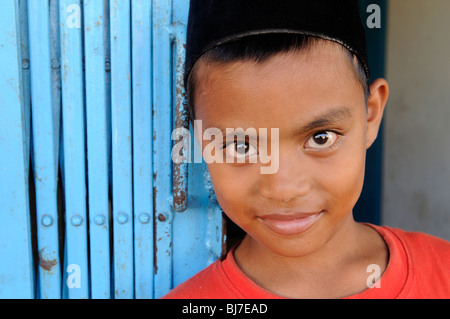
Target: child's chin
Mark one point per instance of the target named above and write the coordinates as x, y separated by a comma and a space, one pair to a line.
294, 247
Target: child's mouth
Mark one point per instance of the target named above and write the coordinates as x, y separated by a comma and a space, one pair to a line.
290, 224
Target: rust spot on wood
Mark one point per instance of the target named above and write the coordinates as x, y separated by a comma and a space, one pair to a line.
46, 264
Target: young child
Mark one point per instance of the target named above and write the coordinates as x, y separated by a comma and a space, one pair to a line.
300, 67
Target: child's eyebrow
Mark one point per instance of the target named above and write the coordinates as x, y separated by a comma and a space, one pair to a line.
328, 118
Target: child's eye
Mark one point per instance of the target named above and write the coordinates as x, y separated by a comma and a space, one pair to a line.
322, 140
241, 149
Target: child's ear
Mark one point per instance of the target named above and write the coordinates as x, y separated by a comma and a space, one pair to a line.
379, 93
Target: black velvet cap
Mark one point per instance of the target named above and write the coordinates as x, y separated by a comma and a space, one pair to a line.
214, 22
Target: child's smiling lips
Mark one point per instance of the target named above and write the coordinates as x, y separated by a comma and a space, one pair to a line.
290, 223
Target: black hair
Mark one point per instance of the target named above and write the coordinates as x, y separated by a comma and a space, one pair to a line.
259, 48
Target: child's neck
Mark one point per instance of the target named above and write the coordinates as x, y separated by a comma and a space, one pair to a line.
336, 270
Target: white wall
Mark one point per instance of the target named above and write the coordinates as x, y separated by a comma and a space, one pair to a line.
416, 190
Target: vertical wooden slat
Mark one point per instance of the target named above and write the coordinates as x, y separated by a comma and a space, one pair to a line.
187, 247
56, 73
24, 49
44, 153
180, 112
142, 146
121, 117
162, 163
76, 248
97, 148
197, 231
16, 272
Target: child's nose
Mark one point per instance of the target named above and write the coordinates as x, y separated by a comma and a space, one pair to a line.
289, 182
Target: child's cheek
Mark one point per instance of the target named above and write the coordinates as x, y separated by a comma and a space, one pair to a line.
231, 187
345, 181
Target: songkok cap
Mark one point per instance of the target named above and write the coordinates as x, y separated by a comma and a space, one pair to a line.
215, 22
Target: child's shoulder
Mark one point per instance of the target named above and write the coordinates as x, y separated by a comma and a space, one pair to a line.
420, 242
428, 259
196, 287
207, 284
425, 252
418, 264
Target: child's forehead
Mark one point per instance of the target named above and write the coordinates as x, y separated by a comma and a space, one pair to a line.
320, 56
243, 91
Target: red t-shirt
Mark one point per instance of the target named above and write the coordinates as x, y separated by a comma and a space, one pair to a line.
418, 267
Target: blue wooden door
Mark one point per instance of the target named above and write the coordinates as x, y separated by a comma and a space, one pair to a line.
91, 203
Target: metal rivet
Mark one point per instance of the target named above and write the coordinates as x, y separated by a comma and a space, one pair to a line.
144, 218
55, 64
162, 217
47, 220
99, 219
25, 64
122, 218
76, 220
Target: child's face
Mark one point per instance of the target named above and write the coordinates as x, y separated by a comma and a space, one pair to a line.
315, 101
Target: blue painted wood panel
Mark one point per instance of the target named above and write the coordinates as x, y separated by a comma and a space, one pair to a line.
44, 151
16, 268
91, 93
97, 132
73, 131
141, 36
121, 126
